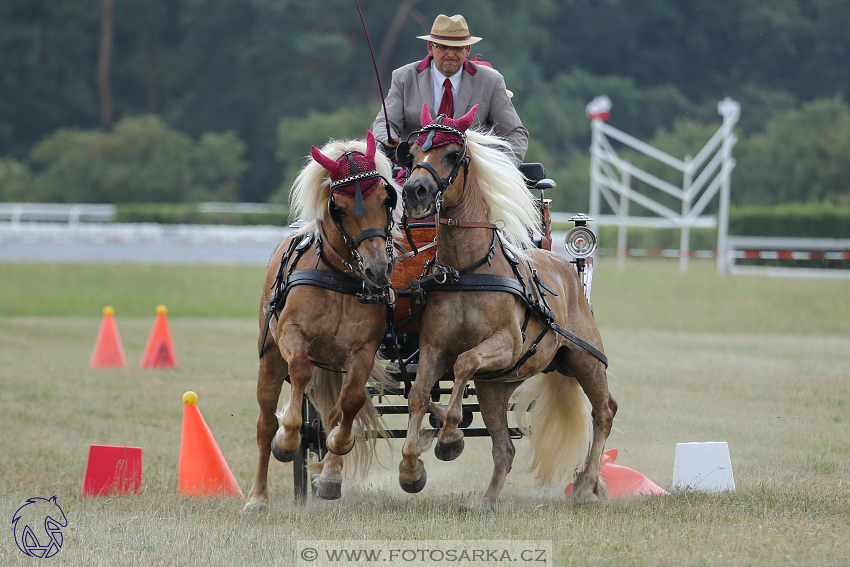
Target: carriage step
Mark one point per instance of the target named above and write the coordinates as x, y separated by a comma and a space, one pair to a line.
467, 432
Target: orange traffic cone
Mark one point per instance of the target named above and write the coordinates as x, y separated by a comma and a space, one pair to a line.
159, 350
621, 481
108, 351
203, 470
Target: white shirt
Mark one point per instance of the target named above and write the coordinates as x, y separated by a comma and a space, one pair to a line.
437, 89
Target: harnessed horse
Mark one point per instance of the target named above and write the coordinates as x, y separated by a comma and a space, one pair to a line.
324, 309
502, 314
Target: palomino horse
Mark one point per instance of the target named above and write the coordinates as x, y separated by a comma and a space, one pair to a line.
323, 310
500, 312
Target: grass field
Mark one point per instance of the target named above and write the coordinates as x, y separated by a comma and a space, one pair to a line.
761, 363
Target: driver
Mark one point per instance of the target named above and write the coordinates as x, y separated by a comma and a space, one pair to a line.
450, 84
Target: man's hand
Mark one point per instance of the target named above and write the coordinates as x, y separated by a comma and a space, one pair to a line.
389, 147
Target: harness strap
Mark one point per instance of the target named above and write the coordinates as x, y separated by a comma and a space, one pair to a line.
493, 282
467, 224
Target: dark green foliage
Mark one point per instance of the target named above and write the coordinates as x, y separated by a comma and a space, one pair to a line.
141, 160
791, 219
247, 65
191, 213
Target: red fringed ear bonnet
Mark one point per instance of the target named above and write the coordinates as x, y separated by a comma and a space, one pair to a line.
442, 137
352, 174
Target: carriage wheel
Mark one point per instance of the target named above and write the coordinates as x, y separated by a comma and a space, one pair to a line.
312, 441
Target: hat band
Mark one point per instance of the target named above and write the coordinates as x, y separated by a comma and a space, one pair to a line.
451, 37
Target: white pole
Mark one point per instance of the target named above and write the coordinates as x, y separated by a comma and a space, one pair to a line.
595, 147
731, 111
685, 234
623, 226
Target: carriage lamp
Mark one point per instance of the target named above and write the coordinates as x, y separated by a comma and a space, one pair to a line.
581, 243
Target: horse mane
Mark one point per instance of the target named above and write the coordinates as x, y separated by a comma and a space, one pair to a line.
311, 189
507, 199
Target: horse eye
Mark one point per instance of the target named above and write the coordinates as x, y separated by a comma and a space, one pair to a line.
452, 155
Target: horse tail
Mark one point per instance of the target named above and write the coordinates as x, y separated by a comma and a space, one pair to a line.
554, 413
368, 424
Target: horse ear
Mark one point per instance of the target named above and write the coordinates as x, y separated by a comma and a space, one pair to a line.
425, 116
465, 121
370, 145
323, 160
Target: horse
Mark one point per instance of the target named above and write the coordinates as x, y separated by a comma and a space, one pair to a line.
510, 317
323, 310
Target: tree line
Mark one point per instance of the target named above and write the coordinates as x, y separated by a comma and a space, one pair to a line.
220, 99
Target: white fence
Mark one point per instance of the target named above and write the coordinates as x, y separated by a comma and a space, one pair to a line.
787, 248
54, 212
703, 177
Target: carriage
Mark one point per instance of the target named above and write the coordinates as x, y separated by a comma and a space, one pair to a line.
525, 310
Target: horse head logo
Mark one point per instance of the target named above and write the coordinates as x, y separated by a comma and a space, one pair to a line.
38, 527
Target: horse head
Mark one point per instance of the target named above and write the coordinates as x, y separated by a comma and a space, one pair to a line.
439, 153
361, 203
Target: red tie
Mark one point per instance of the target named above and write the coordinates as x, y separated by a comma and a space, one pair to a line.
447, 106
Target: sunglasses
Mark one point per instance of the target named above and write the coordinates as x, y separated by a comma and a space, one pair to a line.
455, 48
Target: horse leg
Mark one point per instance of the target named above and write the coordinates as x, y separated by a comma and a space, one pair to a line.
273, 370
329, 483
493, 400
287, 440
340, 438
411, 470
493, 353
589, 489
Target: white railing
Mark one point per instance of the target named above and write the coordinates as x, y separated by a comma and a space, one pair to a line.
703, 177
55, 212
787, 248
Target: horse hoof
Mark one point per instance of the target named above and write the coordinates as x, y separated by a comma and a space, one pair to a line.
281, 455
415, 486
329, 489
448, 451
255, 507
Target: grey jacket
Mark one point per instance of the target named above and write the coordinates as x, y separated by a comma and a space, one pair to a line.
481, 85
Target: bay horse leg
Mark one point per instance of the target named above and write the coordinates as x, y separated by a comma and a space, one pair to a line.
340, 438
594, 382
273, 370
493, 398
493, 353
411, 470
287, 440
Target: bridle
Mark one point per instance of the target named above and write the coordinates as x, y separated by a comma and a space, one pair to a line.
462, 161
360, 210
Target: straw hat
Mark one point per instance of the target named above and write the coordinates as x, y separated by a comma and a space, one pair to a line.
450, 31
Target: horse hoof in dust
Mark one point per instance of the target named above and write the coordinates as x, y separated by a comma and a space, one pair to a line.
329, 490
448, 451
415, 486
255, 507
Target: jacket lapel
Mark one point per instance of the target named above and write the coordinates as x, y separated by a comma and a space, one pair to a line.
424, 82
464, 95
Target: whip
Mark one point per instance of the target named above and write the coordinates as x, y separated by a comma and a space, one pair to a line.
378, 75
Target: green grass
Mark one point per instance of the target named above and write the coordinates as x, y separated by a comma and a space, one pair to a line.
649, 294
693, 358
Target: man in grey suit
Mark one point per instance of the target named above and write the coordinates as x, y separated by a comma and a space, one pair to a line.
450, 84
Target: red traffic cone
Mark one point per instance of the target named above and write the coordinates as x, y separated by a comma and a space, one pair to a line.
159, 350
621, 481
108, 351
203, 470
112, 469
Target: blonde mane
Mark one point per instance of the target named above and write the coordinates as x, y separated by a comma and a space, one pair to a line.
507, 199
311, 189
